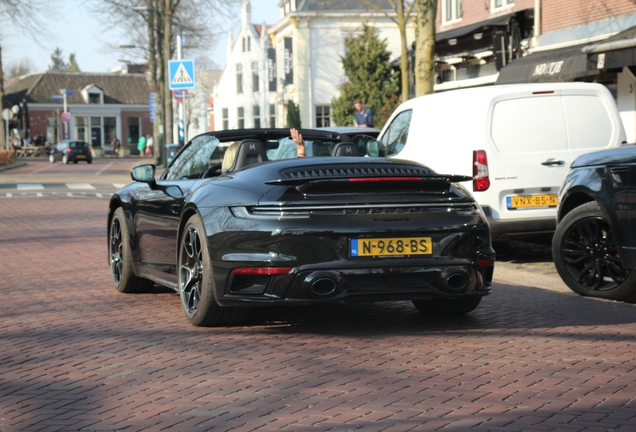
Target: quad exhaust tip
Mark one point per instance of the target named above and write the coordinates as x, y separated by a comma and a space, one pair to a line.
323, 286
456, 281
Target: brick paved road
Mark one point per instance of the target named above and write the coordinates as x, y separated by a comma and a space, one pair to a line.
77, 355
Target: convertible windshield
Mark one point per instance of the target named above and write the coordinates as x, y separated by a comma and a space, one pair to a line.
204, 155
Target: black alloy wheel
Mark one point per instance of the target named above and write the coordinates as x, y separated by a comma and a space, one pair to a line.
191, 271
120, 257
586, 256
196, 281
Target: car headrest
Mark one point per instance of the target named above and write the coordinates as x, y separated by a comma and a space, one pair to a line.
345, 149
250, 151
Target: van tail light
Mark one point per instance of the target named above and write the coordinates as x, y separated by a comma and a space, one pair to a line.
68, 149
481, 181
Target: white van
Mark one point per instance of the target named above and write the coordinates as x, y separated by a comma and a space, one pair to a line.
517, 141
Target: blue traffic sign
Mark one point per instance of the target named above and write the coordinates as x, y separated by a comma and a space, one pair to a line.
181, 74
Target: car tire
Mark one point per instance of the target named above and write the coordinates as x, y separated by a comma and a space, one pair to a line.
90, 161
75, 161
196, 281
586, 256
447, 307
65, 160
51, 158
120, 256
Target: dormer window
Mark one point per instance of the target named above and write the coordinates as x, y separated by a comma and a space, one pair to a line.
92, 95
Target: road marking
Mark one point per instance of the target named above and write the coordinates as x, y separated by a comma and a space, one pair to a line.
98, 195
80, 186
41, 169
69, 194
119, 185
9, 194
102, 170
29, 186
39, 194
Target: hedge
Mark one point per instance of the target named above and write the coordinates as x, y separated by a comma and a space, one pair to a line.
6, 157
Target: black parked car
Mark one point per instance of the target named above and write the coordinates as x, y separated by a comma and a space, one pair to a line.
274, 229
594, 245
71, 151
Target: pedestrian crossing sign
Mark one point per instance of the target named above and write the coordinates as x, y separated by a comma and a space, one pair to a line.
181, 74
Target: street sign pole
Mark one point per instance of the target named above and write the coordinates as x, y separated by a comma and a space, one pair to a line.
181, 105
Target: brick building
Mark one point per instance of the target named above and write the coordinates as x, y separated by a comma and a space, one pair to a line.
101, 106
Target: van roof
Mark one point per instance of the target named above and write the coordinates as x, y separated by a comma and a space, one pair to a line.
487, 92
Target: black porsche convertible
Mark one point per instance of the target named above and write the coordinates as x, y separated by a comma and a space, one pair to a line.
270, 228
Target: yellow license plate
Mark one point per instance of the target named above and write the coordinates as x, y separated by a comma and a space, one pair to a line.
392, 246
81, 156
526, 201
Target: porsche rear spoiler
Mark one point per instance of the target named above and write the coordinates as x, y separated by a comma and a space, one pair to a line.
295, 182
376, 184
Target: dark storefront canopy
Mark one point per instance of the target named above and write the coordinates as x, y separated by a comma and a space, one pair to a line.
568, 64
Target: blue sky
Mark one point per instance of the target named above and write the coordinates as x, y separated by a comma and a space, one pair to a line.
74, 29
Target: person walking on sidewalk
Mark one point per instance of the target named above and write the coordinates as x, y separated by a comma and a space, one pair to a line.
150, 142
141, 145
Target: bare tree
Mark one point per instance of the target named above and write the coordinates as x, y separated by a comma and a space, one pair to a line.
16, 69
151, 28
400, 19
24, 15
425, 47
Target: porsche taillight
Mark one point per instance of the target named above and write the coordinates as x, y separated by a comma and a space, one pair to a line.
481, 180
262, 271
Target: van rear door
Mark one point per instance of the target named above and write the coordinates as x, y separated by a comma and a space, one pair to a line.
529, 139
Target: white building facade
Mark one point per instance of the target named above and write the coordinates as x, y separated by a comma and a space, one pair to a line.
297, 59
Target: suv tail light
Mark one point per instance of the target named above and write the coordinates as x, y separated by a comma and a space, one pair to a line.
481, 181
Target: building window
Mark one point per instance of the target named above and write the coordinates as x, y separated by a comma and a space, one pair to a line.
257, 116
93, 98
241, 117
255, 76
134, 131
323, 115
496, 4
52, 130
239, 78
226, 118
80, 128
247, 44
452, 10
272, 115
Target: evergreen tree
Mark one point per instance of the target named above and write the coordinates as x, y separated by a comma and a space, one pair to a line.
293, 115
72, 64
57, 61
369, 76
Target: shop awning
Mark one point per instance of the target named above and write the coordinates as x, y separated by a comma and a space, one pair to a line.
567, 64
562, 64
499, 21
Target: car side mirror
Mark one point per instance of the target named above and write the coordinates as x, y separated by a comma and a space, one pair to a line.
368, 145
143, 173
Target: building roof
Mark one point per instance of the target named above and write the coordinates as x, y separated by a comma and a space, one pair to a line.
129, 89
339, 5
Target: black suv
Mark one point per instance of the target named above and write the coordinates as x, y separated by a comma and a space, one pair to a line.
71, 151
594, 246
